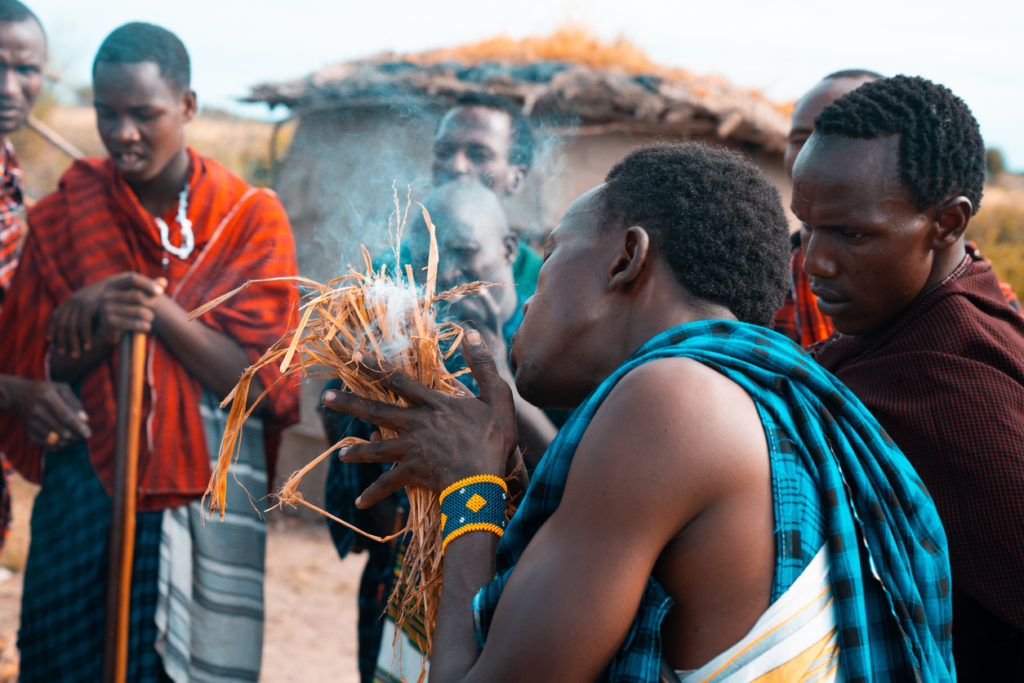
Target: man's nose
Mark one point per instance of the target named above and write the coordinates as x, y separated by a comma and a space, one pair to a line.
447, 274
460, 163
9, 84
126, 130
818, 258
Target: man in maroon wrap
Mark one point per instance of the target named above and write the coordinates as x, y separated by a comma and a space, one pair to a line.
131, 243
885, 188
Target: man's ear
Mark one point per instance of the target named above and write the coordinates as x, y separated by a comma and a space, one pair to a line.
951, 220
510, 244
517, 179
190, 104
630, 259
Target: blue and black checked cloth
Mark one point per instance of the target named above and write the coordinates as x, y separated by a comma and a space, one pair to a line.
889, 563
64, 598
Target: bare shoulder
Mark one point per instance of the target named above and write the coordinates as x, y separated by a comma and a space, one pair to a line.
670, 480
675, 426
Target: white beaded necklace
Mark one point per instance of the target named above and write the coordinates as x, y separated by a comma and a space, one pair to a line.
188, 239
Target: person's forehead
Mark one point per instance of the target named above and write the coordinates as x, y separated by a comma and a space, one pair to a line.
135, 81
463, 122
25, 38
582, 216
467, 212
841, 171
863, 157
464, 225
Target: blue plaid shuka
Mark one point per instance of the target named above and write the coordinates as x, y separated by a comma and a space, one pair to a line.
836, 478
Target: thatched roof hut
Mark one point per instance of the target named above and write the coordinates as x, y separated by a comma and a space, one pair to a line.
366, 123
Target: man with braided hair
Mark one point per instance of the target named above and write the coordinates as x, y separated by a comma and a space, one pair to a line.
799, 318
885, 188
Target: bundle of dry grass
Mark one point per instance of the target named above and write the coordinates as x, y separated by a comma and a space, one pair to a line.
368, 315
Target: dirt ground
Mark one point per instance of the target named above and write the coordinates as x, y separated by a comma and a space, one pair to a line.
310, 598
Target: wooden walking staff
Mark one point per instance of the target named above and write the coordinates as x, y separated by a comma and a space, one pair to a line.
131, 374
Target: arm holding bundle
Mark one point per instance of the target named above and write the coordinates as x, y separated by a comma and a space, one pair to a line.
595, 553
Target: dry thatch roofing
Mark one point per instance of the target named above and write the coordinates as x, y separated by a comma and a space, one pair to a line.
599, 86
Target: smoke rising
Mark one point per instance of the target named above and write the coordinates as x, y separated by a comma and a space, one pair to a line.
336, 180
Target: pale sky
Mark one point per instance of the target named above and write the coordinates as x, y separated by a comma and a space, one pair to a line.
781, 47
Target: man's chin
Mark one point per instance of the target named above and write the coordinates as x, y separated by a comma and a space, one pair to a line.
538, 393
11, 122
524, 384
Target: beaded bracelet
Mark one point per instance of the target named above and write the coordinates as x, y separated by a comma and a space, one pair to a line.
473, 504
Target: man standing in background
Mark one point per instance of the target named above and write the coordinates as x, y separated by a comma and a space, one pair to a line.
51, 412
485, 138
799, 318
131, 243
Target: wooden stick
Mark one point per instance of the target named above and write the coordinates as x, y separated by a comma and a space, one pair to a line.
131, 374
53, 137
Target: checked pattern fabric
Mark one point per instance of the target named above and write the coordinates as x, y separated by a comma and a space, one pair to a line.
11, 228
887, 548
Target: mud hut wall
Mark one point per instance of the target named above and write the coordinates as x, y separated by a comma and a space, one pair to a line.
336, 181
587, 160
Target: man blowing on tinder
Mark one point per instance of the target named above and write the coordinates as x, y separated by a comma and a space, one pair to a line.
714, 492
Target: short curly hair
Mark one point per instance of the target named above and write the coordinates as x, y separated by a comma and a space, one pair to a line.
141, 42
714, 217
14, 12
941, 153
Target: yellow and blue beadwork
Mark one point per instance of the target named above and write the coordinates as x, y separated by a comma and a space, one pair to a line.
473, 504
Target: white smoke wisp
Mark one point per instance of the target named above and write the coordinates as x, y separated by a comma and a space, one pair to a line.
399, 301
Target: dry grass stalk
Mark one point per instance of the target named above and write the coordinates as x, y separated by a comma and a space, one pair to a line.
372, 314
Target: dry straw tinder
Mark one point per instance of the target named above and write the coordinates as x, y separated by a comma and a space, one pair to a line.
371, 317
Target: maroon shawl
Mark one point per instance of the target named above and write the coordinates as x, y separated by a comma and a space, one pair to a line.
946, 380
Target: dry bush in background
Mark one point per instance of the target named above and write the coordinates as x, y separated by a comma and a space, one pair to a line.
998, 229
243, 145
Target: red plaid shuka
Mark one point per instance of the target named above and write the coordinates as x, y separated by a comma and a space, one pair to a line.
5, 501
946, 380
799, 318
1010, 295
94, 227
11, 233
11, 229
